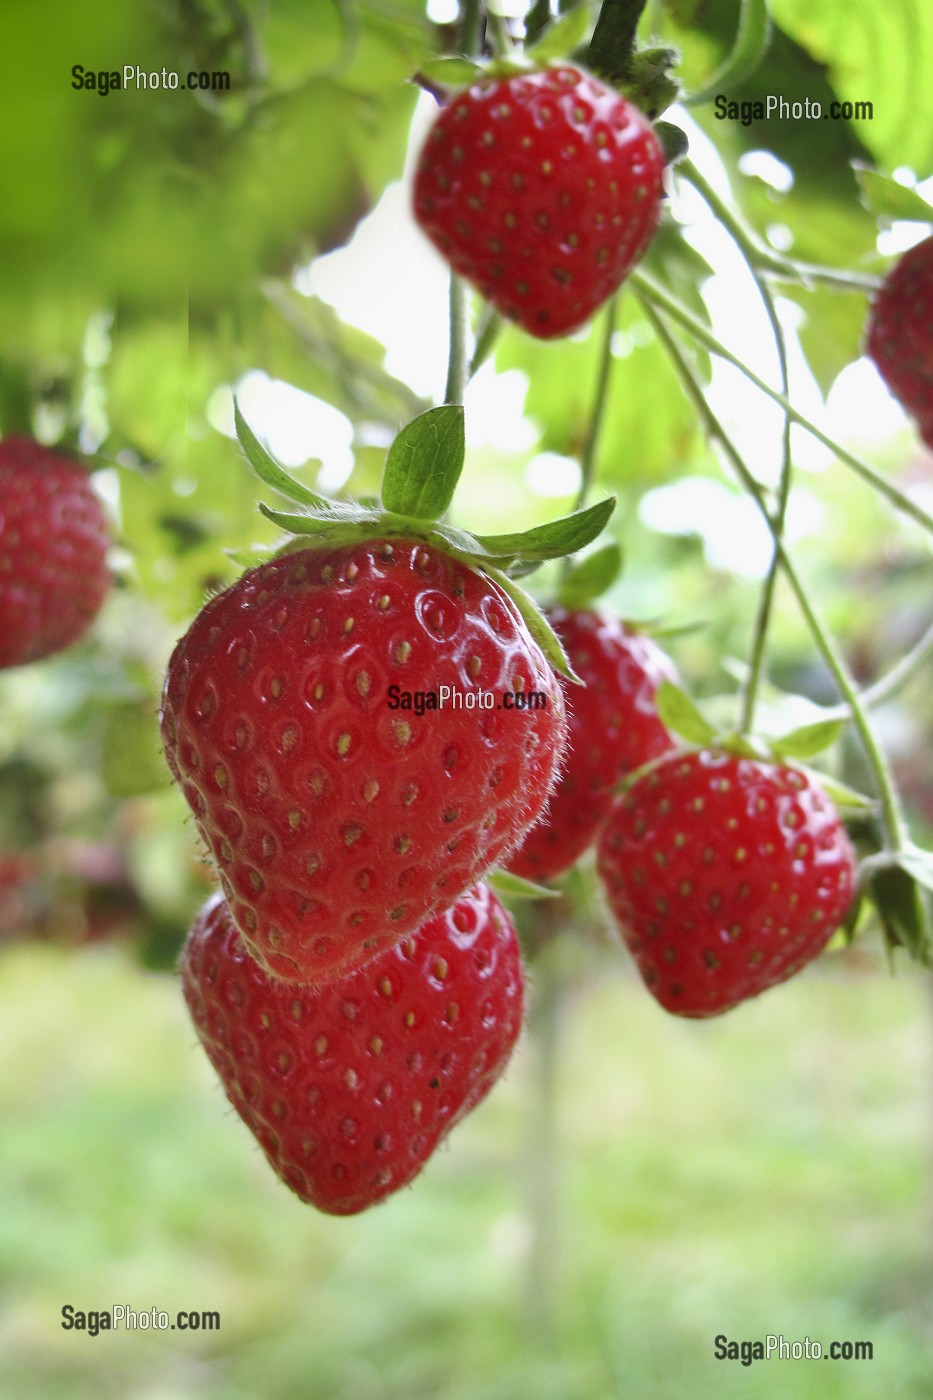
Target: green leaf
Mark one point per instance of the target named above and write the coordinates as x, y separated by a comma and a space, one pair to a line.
452, 72
751, 43
809, 739
887, 198
899, 903
561, 37
554, 539
591, 576
424, 464
680, 714
266, 467
537, 624
538, 19
918, 864
514, 887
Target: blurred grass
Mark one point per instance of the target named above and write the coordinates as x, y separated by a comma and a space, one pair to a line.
767, 1173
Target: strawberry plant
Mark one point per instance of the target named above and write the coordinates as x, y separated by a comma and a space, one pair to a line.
453, 279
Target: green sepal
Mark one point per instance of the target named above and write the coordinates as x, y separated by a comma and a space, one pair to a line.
251, 558
310, 522
590, 577
901, 909
674, 141
809, 739
648, 82
452, 72
514, 887
751, 43
537, 624
917, 862
424, 464
679, 713
839, 794
553, 540
888, 199
267, 468
562, 37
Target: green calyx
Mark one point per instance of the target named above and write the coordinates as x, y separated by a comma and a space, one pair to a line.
421, 473
680, 714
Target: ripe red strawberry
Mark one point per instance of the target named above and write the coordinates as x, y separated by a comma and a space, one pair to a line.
53, 546
349, 1089
339, 823
613, 729
543, 190
900, 334
726, 875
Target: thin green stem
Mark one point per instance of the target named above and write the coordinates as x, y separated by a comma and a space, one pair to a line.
489, 333
498, 33
600, 401
766, 259
457, 358
654, 294
746, 246
893, 818
471, 28
895, 679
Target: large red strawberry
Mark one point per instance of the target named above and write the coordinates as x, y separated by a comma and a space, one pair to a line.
613, 729
53, 547
349, 1089
726, 875
900, 334
341, 818
543, 190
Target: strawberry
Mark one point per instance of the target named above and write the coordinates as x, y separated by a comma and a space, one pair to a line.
543, 190
726, 875
339, 823
349, 1089
53, 546
900, 334
613, 729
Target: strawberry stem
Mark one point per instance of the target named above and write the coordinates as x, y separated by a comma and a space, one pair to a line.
898, 676
765, 259
654, 295
489, 333
498, 33
457, 354
746, 247
600, 401
893, 817
471, 28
